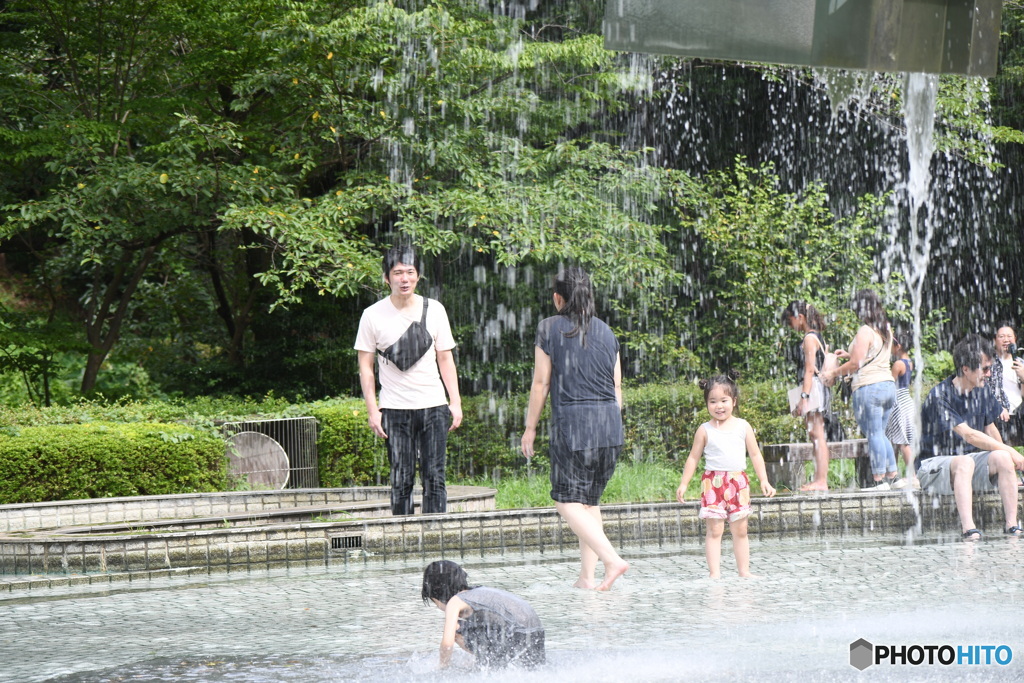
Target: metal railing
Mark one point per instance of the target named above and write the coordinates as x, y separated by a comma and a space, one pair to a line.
297, 436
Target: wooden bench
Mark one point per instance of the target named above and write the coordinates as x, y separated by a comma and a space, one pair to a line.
785, 461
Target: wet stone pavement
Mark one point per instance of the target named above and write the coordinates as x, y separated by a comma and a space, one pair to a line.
664, 621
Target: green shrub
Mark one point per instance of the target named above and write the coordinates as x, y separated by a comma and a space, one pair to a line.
660, 420
488, 442
100, 460
202, 412
485, 444
349, 453
659, 423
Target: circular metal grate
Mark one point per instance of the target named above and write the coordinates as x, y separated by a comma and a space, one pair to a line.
258, 459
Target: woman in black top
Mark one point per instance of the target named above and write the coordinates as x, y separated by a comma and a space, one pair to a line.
810, 356
576, 360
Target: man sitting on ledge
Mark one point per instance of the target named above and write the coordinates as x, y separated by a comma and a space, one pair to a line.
961, 450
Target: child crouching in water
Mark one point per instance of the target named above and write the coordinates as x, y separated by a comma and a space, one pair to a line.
497, 627
725, 441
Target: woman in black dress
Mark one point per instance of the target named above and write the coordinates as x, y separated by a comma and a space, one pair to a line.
576, 360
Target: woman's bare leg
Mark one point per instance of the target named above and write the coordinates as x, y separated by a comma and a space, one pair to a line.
588, 565
816, 432
908, 458
585, 521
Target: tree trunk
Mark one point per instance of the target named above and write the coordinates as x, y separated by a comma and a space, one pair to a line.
103, 323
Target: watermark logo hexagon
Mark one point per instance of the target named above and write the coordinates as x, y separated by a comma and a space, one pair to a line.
861, 654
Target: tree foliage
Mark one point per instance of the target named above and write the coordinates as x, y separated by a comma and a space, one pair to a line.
204, 187
761, 249
455, 130
34, 349
268, 148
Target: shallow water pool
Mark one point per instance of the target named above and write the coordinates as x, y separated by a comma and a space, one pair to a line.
663, 621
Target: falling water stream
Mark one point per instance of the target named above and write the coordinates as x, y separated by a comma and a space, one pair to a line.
920, 91
922, 206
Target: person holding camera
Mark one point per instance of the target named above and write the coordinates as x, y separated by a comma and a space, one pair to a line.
961, 451
411, 340
1007, 377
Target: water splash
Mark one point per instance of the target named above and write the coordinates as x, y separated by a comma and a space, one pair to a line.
844, 87
920, 92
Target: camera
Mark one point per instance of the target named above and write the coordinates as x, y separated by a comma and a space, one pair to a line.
1013, 350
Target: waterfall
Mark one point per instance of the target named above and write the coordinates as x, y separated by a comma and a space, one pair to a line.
919, 93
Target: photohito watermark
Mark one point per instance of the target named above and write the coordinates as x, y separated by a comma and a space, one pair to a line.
863, 654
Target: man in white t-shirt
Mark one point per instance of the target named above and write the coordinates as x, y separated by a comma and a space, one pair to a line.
413, 416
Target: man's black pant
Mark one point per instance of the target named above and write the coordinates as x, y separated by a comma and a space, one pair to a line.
417, 436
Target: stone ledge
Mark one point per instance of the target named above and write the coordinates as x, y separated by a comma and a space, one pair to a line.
38, 562
204, 510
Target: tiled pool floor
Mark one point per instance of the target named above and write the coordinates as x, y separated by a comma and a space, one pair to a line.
663, 621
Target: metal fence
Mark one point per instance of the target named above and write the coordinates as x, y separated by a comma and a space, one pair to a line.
297, 436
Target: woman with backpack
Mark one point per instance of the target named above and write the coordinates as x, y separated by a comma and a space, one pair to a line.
815, 404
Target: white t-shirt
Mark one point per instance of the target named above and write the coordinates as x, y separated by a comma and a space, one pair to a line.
726, 449
420, 386
1010, 384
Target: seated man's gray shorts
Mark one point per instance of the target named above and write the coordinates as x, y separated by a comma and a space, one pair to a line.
934, 474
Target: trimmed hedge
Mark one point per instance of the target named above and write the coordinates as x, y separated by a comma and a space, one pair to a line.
661, 419
348, 451
487, 443
201, 412
101, 460
127, 449
659, 423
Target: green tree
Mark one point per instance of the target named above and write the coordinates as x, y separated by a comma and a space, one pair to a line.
183, 171
456, 129
270, 148
33, 348
759, 249
113, 181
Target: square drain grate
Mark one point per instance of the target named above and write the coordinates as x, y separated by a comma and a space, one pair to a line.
346, 542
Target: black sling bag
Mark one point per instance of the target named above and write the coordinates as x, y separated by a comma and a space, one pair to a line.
413, 343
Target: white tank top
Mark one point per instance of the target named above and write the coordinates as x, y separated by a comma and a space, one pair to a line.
877, 369
726, 449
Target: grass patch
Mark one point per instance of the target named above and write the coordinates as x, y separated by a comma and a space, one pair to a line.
641, 483
631, 483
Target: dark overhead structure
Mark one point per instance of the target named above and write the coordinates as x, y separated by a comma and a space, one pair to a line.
931, 36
